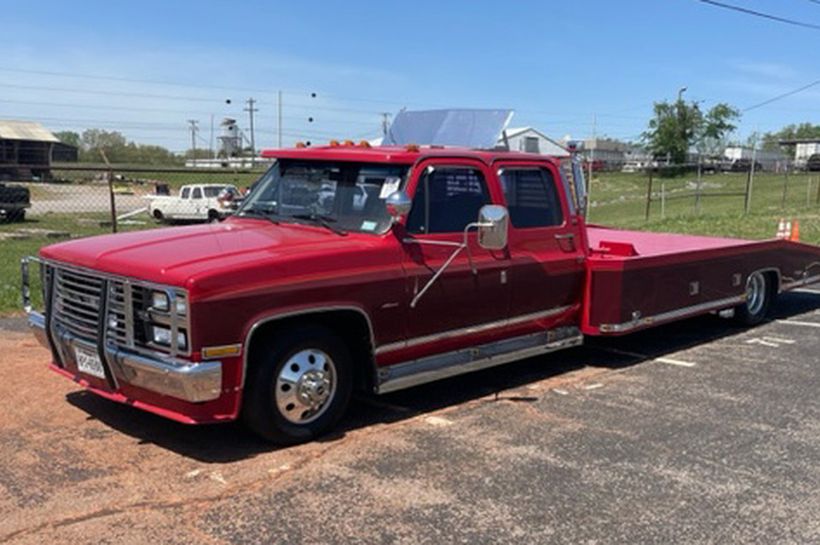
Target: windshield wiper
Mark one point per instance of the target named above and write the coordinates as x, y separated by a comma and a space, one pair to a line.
262, 212
321, 219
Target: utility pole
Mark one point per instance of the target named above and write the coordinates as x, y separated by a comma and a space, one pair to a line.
194, 130
211, 140
385, 123
279, 115
591, 157
251, 110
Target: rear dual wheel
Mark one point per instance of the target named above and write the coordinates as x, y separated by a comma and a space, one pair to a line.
298, 385
759, 295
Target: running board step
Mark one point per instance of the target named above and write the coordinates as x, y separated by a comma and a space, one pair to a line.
466, 360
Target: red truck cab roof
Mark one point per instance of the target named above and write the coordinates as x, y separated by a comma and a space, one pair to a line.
404, 155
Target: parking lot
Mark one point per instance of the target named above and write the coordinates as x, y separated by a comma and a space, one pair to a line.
697, 432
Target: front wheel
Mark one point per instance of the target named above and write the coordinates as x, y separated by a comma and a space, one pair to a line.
759, 295
298, 385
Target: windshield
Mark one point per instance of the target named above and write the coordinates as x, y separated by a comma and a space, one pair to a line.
350, 195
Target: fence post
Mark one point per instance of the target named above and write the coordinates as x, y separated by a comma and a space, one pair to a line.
808, 191
785, 189
817, 200
699, 186
112, 200
649, 195
747, 205
663, 199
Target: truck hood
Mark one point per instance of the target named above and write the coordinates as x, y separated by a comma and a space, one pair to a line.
182, 255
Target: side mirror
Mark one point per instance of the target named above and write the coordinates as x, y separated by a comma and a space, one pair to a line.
398, 204
493, 220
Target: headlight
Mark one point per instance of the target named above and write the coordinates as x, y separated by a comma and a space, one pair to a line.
182, 306
159, 301
162, 336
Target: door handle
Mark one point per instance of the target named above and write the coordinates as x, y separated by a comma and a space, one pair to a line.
569, 237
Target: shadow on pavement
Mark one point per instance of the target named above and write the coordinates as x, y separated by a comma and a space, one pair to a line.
223, 443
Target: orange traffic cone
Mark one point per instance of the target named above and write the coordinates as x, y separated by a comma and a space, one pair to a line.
795, 234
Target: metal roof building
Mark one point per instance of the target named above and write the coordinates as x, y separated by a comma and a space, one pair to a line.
27, 150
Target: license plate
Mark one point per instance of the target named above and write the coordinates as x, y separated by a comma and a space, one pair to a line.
88, 362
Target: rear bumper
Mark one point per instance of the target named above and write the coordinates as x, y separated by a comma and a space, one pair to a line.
194, 382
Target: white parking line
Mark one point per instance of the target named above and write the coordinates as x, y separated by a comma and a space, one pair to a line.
796, 322
679, 363
594, 386
779, 340
763, 343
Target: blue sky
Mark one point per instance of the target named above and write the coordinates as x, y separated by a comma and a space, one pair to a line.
557, 64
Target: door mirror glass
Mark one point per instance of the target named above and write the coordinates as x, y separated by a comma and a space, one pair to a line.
398, 205
493, 220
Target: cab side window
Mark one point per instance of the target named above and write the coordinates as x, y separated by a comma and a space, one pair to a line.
447, 199
532, 197
197, 193
186, 192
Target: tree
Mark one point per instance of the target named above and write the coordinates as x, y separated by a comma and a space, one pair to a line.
678, 127
771, 140
69, 137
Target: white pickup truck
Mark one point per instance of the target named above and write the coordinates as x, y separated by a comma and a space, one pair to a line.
203, 202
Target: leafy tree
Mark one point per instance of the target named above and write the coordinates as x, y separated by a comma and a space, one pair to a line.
771, 140
119, 150
69, 137
678, 127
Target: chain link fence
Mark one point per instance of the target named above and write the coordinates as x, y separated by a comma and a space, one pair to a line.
83, 200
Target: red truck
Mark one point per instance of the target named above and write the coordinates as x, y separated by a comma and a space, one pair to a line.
351, 267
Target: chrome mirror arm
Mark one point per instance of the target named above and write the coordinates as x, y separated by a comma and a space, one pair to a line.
465, 245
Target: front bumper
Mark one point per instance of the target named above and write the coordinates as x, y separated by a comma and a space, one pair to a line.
194, 382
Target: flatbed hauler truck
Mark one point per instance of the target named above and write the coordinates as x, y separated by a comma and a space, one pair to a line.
351, 267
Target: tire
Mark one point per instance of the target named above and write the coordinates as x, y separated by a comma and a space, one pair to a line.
158, 215
759, 296
298, 385
18, 215
213, 216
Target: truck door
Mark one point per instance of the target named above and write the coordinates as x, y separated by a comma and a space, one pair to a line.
546, 253
447, 196
195, 204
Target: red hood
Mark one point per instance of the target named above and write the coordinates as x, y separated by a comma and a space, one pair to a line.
182, 256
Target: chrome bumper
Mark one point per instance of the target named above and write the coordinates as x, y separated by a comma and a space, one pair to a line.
180, 379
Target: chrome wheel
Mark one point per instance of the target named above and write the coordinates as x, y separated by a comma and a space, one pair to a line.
755, 293
305, 386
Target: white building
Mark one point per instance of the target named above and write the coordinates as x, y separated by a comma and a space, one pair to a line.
768, 160
804, 150
530, 140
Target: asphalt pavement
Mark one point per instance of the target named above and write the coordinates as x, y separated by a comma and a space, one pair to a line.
697, 432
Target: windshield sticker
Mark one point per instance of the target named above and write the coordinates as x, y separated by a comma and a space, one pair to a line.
369, 225
390, 185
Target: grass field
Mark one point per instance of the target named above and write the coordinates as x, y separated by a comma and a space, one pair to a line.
618, 199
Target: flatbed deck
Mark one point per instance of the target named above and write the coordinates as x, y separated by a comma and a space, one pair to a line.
640, 279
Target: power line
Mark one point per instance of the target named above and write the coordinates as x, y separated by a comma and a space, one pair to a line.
784, 95
761, 14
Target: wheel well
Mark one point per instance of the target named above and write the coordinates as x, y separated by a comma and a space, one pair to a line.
350, 325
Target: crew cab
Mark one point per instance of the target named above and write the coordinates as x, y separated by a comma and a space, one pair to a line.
377, 269
202, 202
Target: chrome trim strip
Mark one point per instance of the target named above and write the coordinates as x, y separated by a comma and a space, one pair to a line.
408, 343
466, 360
316, 310
672, 315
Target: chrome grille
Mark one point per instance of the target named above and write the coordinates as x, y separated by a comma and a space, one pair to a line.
76, 304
